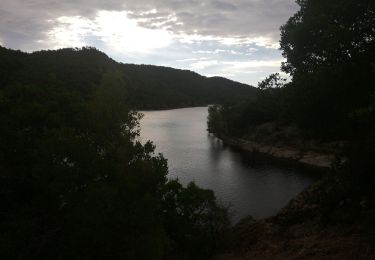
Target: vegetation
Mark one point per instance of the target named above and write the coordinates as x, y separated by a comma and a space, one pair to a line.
75, 183
148, 87
329, 48
331, 70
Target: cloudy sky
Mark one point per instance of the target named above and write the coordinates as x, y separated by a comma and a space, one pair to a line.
237, 39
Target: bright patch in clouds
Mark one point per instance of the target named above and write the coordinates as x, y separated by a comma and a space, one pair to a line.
70, 31
199, 65
113, 28
125, 35
224, 75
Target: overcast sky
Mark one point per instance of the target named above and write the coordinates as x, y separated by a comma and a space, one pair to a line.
237, 39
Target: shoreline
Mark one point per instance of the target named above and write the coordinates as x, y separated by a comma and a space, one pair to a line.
168, 108
321, 161
317, 223
303, 229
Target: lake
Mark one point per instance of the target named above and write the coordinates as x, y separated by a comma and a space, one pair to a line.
257, 189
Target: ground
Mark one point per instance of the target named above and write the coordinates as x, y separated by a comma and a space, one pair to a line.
307, 228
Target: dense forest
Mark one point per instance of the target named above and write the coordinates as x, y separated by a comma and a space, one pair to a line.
147, 86
74, 181
329, 48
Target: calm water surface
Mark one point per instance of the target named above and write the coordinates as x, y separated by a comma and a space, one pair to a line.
195, 155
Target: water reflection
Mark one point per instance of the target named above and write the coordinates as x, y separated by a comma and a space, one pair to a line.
258, 189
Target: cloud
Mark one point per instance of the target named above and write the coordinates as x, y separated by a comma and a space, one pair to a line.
218, 51
231, 69
70, 31
113, 28
188, 60
241, 19
126, 35
224, 75
199, 65
242, 65
24, 23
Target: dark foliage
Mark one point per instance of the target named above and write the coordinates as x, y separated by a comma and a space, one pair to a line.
330, 48
75, 183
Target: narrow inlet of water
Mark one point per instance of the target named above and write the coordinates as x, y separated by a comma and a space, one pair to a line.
193, 154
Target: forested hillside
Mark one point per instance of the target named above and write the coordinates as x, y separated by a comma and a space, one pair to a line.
148, 87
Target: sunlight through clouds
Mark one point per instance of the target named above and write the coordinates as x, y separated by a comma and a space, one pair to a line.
114, 28
124, 34
70, 31
199, 65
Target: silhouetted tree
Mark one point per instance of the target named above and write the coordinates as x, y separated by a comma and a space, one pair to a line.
75, 182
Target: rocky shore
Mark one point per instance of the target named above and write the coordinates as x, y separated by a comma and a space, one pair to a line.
318, 224
286, 143
308, 158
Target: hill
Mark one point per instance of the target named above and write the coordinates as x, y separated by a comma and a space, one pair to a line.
148, 87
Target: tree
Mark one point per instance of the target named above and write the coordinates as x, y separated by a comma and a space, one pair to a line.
329, 47
272, 81
194, 220
328, 33
76, 183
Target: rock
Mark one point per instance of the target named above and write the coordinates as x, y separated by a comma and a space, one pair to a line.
304, 152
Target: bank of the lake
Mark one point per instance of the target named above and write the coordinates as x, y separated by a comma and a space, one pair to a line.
321, 222
251, 187
318, 224
286, 144
287, 154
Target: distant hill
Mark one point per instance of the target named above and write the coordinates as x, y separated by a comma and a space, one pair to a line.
149, 87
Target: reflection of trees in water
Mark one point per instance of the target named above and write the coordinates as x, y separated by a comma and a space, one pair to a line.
216, 148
